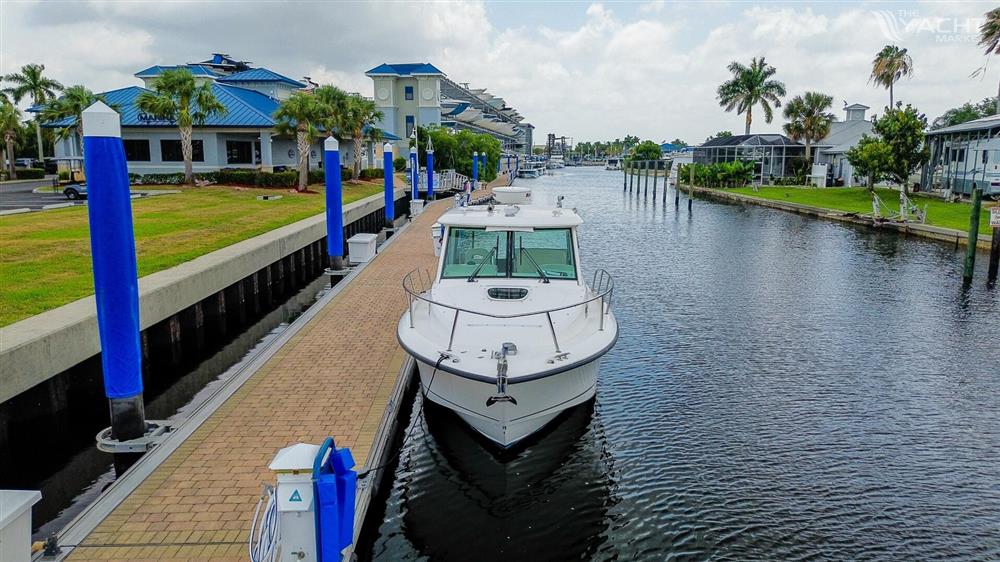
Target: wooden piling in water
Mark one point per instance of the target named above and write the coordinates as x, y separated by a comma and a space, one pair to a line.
645, 187
970, 252
656, 170
991, 274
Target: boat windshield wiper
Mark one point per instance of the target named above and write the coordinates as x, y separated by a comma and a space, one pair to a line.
545, 278
482, 263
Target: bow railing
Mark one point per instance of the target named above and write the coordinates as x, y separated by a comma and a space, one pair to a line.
417, 283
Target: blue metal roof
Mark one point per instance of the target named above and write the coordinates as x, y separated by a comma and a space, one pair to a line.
246, 108
386, 136
405, 69
261, 75
195, 69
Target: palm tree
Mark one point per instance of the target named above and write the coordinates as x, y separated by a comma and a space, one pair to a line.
361, 114
176, 96
890, 64
70, 104
989, 37
808, 119
10, 124
751, 85
300, 113
30, 82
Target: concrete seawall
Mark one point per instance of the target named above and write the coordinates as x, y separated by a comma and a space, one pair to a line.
37, 348
952, 236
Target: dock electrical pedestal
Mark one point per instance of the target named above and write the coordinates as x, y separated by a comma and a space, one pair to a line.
309, 514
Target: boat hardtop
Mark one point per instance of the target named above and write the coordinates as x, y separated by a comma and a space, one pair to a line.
511, 216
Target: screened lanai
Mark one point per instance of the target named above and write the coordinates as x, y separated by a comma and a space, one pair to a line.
772, 155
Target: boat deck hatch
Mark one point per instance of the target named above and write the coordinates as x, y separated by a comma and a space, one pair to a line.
507, 293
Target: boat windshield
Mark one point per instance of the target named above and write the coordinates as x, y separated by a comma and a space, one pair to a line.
542, 253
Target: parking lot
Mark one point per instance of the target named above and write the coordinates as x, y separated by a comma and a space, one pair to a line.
22, 196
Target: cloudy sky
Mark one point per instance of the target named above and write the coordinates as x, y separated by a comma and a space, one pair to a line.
586, 70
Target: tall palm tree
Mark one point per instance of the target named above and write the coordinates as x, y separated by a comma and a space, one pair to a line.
299, 114
10, 124
808, 119
989, 37
751, 85
361, 114
177, 97
889, 65
30, 82
70, 104
334, 105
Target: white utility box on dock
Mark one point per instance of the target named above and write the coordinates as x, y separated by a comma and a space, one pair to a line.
296, 505
15, 523
416, 207
361, 247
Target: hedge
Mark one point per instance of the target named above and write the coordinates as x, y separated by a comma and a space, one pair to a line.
30, 173
372, 173
399, 164
237, 176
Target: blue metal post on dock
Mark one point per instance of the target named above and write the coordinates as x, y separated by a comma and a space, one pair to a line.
116, 285
334, 205
475, 176
390, 196
430, 170
414, 175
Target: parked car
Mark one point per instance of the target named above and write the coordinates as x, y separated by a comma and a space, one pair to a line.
50, 165
75, 191
24, 162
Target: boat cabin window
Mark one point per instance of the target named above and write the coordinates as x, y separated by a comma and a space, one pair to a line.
502, 253
467, 248
549, 249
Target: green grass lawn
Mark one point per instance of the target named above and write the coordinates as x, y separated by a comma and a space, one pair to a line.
45, 256
858, 200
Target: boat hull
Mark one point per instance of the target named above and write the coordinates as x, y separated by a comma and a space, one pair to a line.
539, 401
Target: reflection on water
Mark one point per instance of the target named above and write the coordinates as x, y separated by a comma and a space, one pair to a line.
783, 388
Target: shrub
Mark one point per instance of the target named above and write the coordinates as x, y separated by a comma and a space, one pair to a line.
720, 174
276, 179
372, 173
399, 164
64, 175
30, 173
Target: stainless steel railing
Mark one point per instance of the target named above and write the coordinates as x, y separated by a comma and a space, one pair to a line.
417, 283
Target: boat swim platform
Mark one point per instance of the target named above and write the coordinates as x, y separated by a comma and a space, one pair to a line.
338, 371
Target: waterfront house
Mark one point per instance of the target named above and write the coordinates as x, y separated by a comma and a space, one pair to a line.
773, 155
964, 156
843, 135
244, 137
420, 95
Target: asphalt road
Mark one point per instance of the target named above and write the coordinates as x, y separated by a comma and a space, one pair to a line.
20, 195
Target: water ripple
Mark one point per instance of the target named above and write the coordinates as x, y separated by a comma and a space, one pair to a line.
783, 388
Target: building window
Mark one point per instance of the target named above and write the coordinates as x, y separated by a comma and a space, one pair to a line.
170, 151
986, 157
409, 126
136, 150
239, 152
961, 154
408, 91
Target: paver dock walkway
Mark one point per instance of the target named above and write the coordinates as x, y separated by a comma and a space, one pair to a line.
333, 377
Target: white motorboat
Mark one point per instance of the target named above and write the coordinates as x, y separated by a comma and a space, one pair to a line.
613, 164
508, 334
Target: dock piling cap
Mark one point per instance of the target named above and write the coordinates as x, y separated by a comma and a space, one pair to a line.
295, 458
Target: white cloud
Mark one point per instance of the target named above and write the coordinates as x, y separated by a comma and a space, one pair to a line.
649, 69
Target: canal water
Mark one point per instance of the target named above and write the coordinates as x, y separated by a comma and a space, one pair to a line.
783, 388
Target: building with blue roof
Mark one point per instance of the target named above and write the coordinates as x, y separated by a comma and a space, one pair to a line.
243, 137
413, 95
